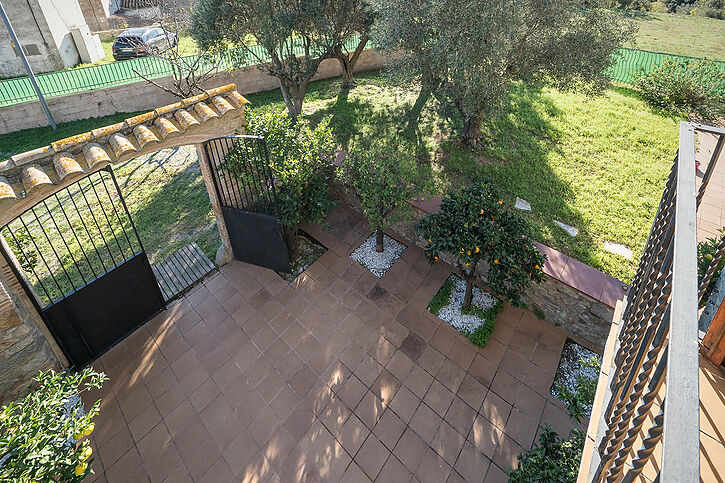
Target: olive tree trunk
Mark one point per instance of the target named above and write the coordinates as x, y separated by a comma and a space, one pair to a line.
471, 134
469, 276
379, 241
293, 246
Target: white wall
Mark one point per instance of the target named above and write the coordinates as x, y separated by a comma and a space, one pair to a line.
62, 15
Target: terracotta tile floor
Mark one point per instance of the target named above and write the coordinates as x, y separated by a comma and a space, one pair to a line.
338, 377
710, 215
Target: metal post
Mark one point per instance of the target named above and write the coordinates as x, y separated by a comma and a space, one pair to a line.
33, 81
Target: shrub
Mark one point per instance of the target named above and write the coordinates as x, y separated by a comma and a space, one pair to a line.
694, 86
474, 226
42, 438
552, 459
705, 251
300, 158
382, 179
579, 400
21, 245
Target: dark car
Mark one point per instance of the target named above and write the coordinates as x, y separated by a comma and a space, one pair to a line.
139, 42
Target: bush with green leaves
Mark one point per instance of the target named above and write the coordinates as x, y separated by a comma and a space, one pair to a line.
705, 252
300, 157
43, 437
383, 180
578, 400
686, 85
553, 459
21, 245
474, 226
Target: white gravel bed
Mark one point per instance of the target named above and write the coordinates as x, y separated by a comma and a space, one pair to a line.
451, 313
378, 263
570, 366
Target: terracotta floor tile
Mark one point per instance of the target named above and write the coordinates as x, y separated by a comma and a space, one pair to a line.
278, 448
352, 391
461, 416
284, 402
370, 410
433, 468
451, 375
425, 423
144, 422
495, 409
393, 472
471, 463
334, 415
496, 475
413, 347
405, 404
299, 421
264, 426
514, 364
410, 450
128, 468
507, 453
389, 429
218, 473
448, 442
239, 451
418, 381
115, 447
438, 398
385, 387
462, 353
505, 386
372, 456
352, 434
485, 435
521, 428
163, 464
204, 394
303, 380
431, 360
530, 403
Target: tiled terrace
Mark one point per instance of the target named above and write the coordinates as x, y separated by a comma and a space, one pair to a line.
338, 377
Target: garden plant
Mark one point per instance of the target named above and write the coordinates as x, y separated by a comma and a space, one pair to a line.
43, 437
300, 157
686, 85
474, 227
383, 180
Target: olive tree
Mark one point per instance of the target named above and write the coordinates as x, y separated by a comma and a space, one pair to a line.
342, 20
383, 180
474, 226
470, 51
284, 39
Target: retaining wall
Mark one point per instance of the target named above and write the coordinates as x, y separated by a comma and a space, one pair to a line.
141, 96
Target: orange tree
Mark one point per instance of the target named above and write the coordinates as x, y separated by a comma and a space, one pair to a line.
43, 437
382, 179
474, 226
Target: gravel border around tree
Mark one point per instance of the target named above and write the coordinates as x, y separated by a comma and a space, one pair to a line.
571, 367
378, 262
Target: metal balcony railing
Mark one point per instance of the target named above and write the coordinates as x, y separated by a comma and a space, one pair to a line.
649, 406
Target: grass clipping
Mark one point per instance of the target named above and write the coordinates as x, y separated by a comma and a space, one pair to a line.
476, 323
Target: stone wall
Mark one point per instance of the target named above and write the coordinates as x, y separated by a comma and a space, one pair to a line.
26, 347
565, 306
140, 96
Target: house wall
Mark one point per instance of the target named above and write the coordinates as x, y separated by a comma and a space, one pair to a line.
62, 16
141, 96
33, 31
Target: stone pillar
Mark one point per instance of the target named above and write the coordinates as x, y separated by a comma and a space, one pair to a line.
224, 253
26, 345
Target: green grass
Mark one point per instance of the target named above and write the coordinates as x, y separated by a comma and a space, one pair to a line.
595, 163
680, 34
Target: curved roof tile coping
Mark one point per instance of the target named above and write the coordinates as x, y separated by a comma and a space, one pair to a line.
120, 145
33, 177
6, 191
166, 128
144, 135
186, 120
205, 112
65, 164
95, 154
49, 165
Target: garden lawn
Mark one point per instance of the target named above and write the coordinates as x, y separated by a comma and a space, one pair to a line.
598, 164
680, 34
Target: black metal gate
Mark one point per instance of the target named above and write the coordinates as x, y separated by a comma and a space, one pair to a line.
245, 188
83, 265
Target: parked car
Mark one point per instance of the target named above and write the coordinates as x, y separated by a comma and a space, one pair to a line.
138, 42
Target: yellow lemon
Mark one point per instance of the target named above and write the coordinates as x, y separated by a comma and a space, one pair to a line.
478, 249
89, 429
81, 468
496, 261
481, 212
468, 252
708, 257
536, 267
86, 453
500, 202
78, 435
430, 239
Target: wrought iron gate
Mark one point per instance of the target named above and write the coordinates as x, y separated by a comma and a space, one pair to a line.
245, 188
83, 265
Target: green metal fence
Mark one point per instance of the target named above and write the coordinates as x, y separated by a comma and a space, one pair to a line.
16, 91
633, 61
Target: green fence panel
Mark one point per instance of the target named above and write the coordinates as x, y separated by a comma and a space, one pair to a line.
633, 61
54, 84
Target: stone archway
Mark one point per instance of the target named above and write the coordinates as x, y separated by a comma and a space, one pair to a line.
27, 179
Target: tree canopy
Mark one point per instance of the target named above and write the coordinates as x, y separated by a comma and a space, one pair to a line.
469, 51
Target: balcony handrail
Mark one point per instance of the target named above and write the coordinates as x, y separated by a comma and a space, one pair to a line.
654, 342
